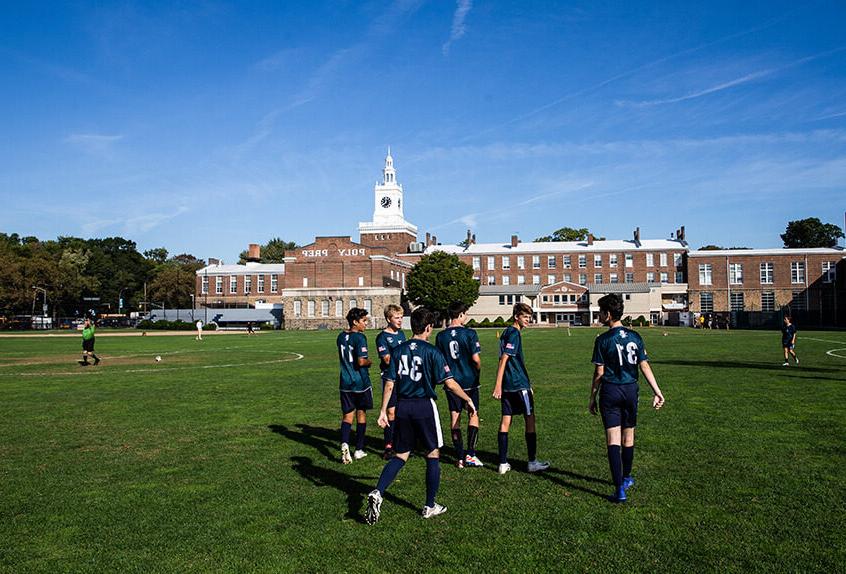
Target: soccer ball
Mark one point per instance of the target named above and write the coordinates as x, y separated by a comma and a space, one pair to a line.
158, 358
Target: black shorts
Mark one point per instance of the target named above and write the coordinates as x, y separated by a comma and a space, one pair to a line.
456, 405
417, 421
618, 405
88, 345
351, 401
788, 346
392, 402
518, 403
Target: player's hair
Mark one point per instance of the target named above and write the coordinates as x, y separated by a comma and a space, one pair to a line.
521, 309
391, 309
457, 309
612, 304
355, 314
422, 318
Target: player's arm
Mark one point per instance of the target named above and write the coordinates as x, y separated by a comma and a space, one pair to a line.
477, 362
500, 373
386, 397
658, 399
456, 389
598, 371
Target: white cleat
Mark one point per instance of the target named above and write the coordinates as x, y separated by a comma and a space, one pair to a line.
345, 453
430, 511
472, 461
374, 507
538, 465
504, 467
359, 454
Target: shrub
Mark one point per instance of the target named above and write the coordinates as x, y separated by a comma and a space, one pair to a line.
485, 322
471, 323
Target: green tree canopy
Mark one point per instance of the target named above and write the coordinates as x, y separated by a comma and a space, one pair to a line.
441, 279
567, 234
271, 252
811, 232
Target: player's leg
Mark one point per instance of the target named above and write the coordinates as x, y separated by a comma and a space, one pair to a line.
611, 408
472, 431
627, 456
502, 437
793, 353
388, 431
404, 441
429, 431
786, 355
456, 405
363, 404
347, 415
94, 355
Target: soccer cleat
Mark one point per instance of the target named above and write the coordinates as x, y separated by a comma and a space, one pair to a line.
628, 482
345, 453
83, 363
504, 467
538, 465
472, 461
459, 464
359, 454
797, 360
785, 364
96, 361
619, 495
430, 511
374, 507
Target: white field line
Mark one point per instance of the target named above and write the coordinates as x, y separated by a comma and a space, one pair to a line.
799, 337
833, 353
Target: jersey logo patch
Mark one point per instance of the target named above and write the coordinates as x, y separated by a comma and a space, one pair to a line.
381, 349
364, 349
452, 332
509, 346
413, 346
623, 334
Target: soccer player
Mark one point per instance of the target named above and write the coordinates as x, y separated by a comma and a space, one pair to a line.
199, 326
386, 341
415, 369
514, 390
88, 343
356, 391
788, 340
461, 349
617, 353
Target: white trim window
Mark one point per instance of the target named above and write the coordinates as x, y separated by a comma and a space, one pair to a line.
205, 288
629, 260
568, 277
550, 279
597, 261
797, 272
353, 303
612, 260
550, 262
361, 281
736, 301
767, 301
582, 279
311, 307
829, 271
665, 277
324, 308
597, 278
248, 284
629, 277
305, 281
766, 273
662, 259
491, 279
506, 263
679, 276
339, 308
650, 277
535, 261
568, 262
491, 262
506, 280
477, 262
582, 261
613, 278
274, 283
260, 284
368, 305
218, 285
521, 280
298, 308
677, 261
521, 262
736, 274
706, 302
233, 284
706, 275
650, 260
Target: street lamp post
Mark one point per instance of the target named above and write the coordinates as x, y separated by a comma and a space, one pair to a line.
193, 299
120, 299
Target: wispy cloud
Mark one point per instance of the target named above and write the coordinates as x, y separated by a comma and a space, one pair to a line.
278, 61
458, 28
95, 144
134, 225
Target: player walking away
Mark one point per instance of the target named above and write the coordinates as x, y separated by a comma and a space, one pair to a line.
514, 390
415, 369
88, 343
356, 391
386, 341
788, 340
199, 336
460, 347
616, 356
250, 328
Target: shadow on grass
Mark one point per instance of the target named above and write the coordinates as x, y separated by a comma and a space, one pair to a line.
793, 371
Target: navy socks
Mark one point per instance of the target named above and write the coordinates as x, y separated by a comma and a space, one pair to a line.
360, 433
502, 439
532, 445
616, 464
433, 480
345, 432
472, 438
628, 458
458, 444
389, 473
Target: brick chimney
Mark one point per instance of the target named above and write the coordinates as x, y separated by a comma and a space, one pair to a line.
590, 238
473, 239
514, 241
214, 261
254, 252
428, 239
469, 237
680, 234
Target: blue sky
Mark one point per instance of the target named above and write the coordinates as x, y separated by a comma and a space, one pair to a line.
204, 126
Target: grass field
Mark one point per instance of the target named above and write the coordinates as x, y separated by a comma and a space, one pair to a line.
223, 457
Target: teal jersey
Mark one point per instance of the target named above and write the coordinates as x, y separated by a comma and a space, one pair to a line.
458, 345
619, 350
515, 377
385, 343
416, 367
352, 346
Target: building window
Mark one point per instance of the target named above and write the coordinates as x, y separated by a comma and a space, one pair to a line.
205, 287
521, 280
218, 285
706, 302
582, 279
535, 261
477, 262
368, 305
568, 278
353, 303
305, 281
568, 262
597, 278
767, 301
403, 280
797, 272
597, 261
679, 276
260, 288
298, 308
248, 284
491, 280
650, 277
506, 262
665, 277
705, 274
629, 260
829, 271
491, 263
274, 283
339, 308
324, 308
662, 258
736, 301
798, 301
550, 261
233, 284
550, 279
650, 260
612, 260
502, 300
361, 281
766, 273
506, 280
521, 262
311, 308
629, 277
677, 261
582, 261
736, 273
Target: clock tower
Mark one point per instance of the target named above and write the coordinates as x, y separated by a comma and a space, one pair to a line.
389, 227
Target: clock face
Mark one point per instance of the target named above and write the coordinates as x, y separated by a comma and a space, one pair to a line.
386, 202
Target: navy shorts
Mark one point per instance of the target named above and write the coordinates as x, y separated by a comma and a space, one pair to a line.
392, 402
618, 405
362, 401
518, 403
417, 422
456, 405
88, 345
788, 346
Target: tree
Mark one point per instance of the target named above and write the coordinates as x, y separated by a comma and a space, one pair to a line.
156, 255
567, 234
271, 252
441, 279
811, 232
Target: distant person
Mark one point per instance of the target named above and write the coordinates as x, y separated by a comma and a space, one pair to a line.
356, 390
88, 343
250, 330
199, 325
617, 353
416, 368
788, 340
386, 341
461, 349
514, 391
